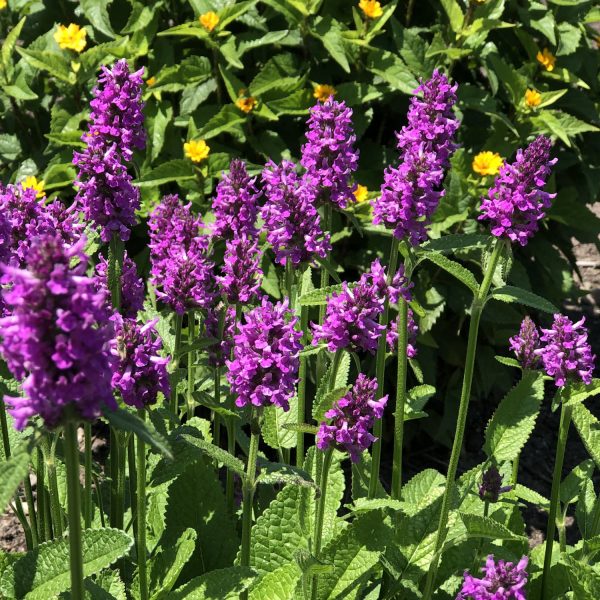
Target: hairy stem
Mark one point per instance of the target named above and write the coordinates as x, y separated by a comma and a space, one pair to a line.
141, 513
327, 219
87, 490
302, 389
191, 366
178, 319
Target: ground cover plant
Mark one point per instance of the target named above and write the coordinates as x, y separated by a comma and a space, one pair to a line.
257, 246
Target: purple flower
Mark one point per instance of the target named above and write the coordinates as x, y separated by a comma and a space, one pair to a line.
132, 286
351, 419
411, 192
413, 332
329, 156
139, 371
352, 315
516, 202
236, 203
291, 219
104, 186
264, 368
218, 353
57, 336
400, 287
501, 581
491, 485
525, 343
566, 354
242, 276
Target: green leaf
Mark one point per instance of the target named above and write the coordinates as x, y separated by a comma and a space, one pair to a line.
277, 585
172, 170
511, 294
485, 527
589, 430
220, 455
232, 12
392, 69
416, 401
274, 430
515, 417
96, 12
329, 32
52, 62
222, 584
279, 473
12, 473
227, 119
452, 242
584, 579
455, 269
455, 14
10, 147
326, 402
574, 393
190, 70
508, 361
128, 421
524, 493
320, 296
422, 491
279, 73
45, 572
569, 37
8, 46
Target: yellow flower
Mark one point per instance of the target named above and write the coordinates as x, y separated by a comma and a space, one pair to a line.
533, 98
547, 59
361, 193
75, 66
209, 20
246, 104
3, 4
31, 182
487, 163
371, 8
196, 150
71, 37
324, 91
150, 81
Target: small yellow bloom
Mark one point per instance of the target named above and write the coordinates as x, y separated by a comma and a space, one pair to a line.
75, 66
196, 150
371, 8
487, 163
71, 37
3, 4
361, 193
150, 81
209, 20
546, 59
246, 104
31, 182
324, 91
533, 98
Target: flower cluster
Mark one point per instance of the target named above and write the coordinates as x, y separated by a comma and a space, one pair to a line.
236, 203
242, 276
329, 156
410, 193
501, 581
516, 202
352, 315
291, 218
566, 353
139, 372
104, 186
132, 286
351, 419
491, 485
525, 344
57, 335
266, 349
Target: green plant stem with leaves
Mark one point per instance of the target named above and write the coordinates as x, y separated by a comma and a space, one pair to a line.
43, 525
87, 489
75, 556
302, 372
380, 374
141, 512
477, 307
49, 450
33, 524
249, 485
563, 433
191, 366
327, 221
178, 323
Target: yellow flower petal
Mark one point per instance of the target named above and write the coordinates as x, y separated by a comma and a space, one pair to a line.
323, 91
209, 20
150, 81
246, 104
361, 193
546, 59
533, 98
371, 8
71, 37
196, 150
487, 163
31, 182
3, 4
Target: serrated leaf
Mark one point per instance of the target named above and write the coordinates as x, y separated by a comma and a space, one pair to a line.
327, 402
584, 579
455, 269
319, 297
508, 361
515, 417
227, 119
218, 454
232, 12
221, 584
279, 73
12, 473
509, 293
589, 430
96, 12
392, 69
190, 70
52, 62
524, 493
329, 32
172, 170
274, 430
486, 527
575, 393
277, 585
452, 242
45, 571
455, 14
279, 473
8, 46
422, 491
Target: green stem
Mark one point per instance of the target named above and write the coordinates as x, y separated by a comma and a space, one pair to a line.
32, 511
121, 440
114, 476
141, 514
132, 471
302, 390
174, 376
4, 426
515, 469
87, 490
229, 482
380, 374
248, 492
318, 534
49, 450
216, 416
41, 497
76, 558
563, 433
461, 421
327, 219
191, 366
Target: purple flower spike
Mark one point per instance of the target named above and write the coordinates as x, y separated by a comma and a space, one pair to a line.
264, 369
411, 192
567, 355
132, 286
241, 272
516, 202
329, 156
139, 371
413, 332
401, 287
352, 418
57, 336
500, 581
525, 344
352, 315
491, 485
236, 203
291, 219
104, 186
